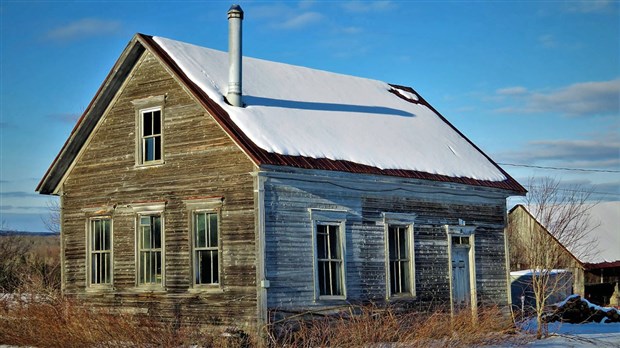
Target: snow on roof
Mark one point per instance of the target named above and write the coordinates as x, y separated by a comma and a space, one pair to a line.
297, 111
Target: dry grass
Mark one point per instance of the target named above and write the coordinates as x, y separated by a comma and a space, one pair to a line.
372, 326
58, 322
53, 321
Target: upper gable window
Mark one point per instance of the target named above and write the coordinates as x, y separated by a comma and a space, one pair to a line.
151, 137
149, 130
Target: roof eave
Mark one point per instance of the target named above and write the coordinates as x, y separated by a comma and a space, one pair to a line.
86, 123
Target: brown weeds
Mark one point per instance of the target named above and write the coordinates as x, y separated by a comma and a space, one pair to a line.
373, 326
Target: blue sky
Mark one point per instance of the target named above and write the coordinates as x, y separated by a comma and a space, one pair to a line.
530, 82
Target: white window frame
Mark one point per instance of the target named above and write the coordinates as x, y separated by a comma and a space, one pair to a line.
209, 205
149, 210
196, 249
90, 252
406, 221
143, 106
328, 218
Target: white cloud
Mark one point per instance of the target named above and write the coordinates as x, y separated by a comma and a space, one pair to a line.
589, 6
517, 90
367, 6
547, 41
602, 152
301, 20
580, 99
83, 28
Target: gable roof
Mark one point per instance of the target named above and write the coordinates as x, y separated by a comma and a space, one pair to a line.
545, 230
306, 118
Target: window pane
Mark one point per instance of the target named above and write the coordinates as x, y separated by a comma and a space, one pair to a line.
323, 278
108, 267
392, 242
393, 278
336, 278
157, 153
156, 264
107, 243
334, 243
157, 122
200, 232
404, 280
94, 263
149, 149
147, 124
156, 231
214, 269
402, 243
146, 237
96, 235
213, 230
321, 241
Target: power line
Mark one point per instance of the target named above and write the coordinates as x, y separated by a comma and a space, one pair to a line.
561, 168
581, 191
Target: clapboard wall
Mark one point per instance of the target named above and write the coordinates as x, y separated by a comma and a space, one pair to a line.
291, 194
200, 162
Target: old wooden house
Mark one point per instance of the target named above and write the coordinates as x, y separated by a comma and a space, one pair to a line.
201, 194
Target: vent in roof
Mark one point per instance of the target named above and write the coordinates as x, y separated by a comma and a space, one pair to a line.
235, 16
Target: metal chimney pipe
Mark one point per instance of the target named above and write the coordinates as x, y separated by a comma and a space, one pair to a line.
235, 16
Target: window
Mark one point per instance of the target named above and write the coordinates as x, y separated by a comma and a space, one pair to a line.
149, 130
328, 238
400, 260
151, 135
100, 251
206, 248
329, 260
150, 250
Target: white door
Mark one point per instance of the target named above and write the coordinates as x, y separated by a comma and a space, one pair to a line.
461, 288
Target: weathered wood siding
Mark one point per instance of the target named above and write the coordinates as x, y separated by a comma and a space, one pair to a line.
200, 161
288, 231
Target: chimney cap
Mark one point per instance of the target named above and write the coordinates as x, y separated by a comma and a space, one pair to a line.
235, 11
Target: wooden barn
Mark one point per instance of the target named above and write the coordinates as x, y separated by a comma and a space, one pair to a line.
207, 188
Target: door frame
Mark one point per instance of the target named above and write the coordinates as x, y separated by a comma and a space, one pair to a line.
463, 231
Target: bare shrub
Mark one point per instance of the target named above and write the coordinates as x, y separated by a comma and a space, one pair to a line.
29, 262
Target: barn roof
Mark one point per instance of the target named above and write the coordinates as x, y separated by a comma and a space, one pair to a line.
307, 118
604, 219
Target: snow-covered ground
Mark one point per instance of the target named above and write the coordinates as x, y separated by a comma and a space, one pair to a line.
578, 335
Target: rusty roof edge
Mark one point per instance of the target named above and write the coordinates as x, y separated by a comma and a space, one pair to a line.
518, 187
81, 131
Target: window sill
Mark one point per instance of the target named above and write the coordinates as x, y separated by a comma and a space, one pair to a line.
149, 164
99, 288
206, 289
401, 297
149, 289
331, 298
